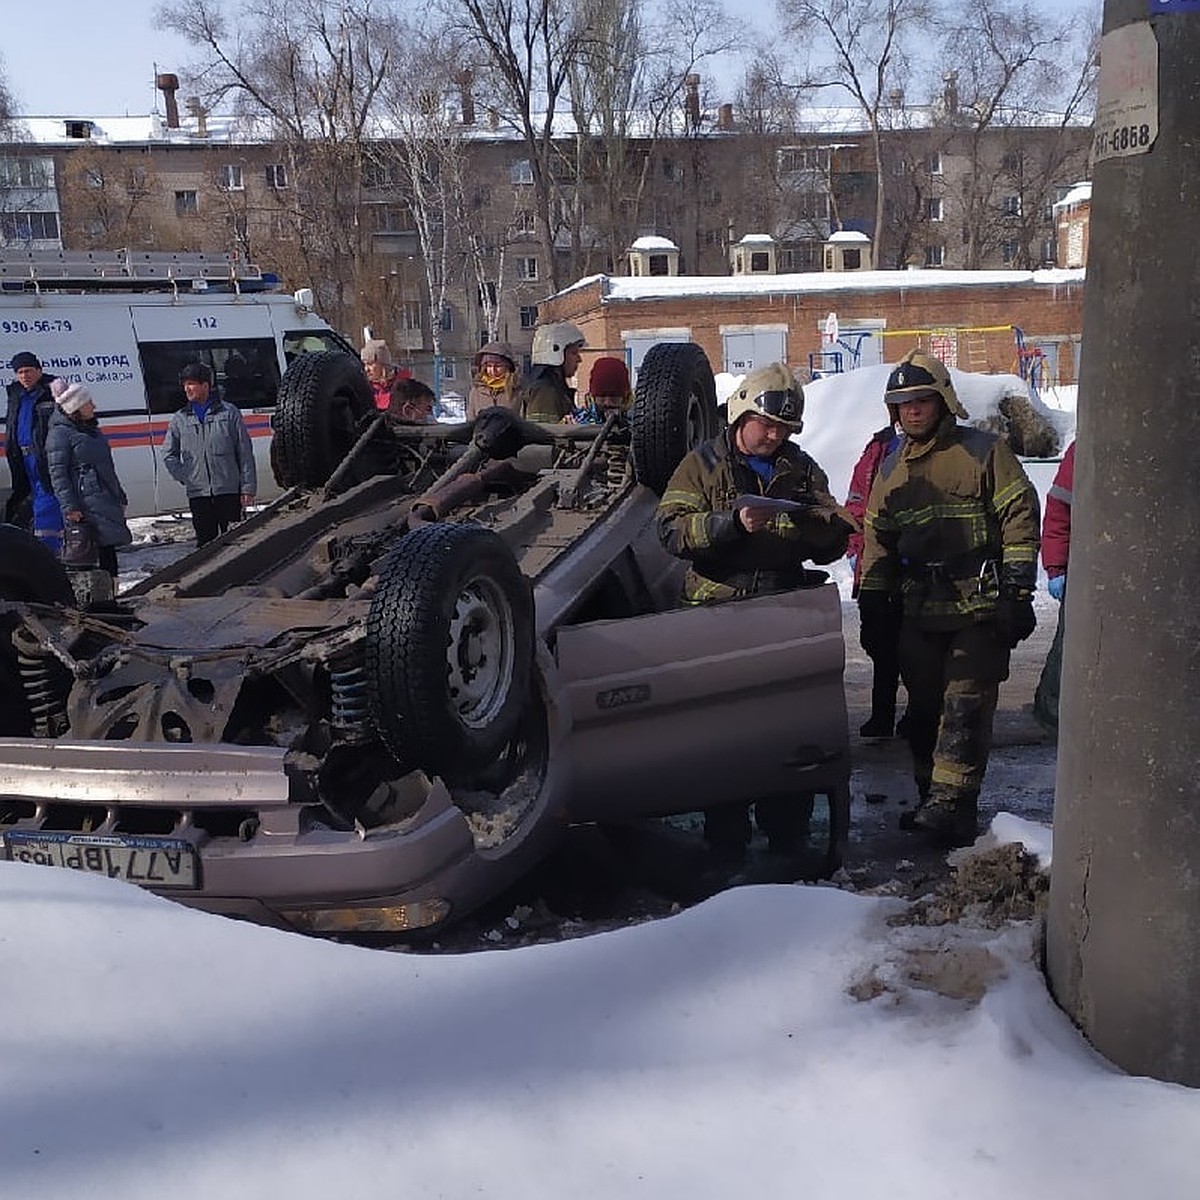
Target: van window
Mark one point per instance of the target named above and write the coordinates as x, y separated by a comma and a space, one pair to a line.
246, 369
309, 341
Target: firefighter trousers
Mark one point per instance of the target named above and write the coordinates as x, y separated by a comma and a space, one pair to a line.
953, 679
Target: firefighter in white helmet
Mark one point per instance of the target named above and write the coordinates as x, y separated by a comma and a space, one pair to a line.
546, 392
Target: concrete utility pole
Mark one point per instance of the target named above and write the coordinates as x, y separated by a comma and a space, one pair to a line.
1123, 936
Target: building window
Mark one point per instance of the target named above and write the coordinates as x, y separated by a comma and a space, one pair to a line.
78, 129
93, 178
523, 224
521, 172
851, 258
447, 319
659, 264
276, 176
1012, 206
135, 181
24, 172
790, 159
1009, 249
935, 255
29, 226
377, 175
392, 218
933, 164
933, 209
487, 295
409, 315
231, 178
528, 316
760, 262
527, 268
186, 204
449, 370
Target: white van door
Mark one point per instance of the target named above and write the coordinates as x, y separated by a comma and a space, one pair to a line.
238, 342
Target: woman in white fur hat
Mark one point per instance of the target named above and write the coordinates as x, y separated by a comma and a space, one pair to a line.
82, 472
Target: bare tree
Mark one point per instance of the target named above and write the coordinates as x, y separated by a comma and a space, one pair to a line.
310, 71
861, 47
8, 106
526, 50
107, 204
1017, 70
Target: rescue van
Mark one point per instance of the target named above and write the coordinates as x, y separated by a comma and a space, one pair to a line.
125, 324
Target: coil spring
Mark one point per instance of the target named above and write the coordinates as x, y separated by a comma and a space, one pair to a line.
616, 462
348, 693
43, 693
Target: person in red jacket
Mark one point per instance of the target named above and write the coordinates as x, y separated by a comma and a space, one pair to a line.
879, 634
1056, 549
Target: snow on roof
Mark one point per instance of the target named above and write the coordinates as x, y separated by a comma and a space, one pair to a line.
650, 242
756, 239
848, 235
109, 131
1079, 194
617, 289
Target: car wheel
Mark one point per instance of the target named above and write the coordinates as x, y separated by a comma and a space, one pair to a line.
28, 571
323, 398
449, 649
674, 410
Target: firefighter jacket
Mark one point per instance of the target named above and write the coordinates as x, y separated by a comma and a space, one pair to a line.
949, 522
544, 394
697, 522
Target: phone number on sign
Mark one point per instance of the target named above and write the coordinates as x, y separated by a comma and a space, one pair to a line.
60, 326
1122, 137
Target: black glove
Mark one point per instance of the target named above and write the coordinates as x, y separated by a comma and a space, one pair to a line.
1014, 615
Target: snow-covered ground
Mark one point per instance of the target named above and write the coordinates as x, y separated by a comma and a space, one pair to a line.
774, 1041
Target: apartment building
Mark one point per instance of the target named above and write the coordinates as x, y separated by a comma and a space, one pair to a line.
191, 180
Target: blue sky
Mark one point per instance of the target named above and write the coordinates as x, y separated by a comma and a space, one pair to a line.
80, 58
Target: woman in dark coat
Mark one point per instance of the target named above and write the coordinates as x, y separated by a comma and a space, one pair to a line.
82, 472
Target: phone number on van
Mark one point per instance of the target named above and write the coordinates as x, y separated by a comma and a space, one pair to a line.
61, 326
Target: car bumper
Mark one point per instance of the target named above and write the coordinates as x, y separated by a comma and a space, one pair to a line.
258, 854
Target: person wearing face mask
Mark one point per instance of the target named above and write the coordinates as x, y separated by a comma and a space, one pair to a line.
746, 509
952, 523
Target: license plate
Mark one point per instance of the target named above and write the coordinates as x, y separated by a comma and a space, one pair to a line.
151, 862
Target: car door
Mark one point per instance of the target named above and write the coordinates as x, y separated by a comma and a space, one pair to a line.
675, 711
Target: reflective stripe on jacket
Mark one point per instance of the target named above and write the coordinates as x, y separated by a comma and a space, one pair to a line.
1056, 528
696, 521
949, 520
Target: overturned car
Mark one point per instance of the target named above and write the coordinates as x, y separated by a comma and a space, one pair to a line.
374, 705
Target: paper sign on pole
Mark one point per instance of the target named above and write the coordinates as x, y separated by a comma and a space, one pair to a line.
1127, 107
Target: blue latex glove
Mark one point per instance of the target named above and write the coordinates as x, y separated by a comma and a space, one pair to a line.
1057, 587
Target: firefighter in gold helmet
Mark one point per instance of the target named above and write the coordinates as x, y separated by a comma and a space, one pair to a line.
952, 523
721, 512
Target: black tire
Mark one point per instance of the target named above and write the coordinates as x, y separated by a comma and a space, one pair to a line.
449, 649
674, 410
28, 571
323, 399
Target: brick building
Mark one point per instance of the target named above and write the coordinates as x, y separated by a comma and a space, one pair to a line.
977, 320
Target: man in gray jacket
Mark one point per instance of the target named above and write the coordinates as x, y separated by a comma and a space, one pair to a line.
208, 450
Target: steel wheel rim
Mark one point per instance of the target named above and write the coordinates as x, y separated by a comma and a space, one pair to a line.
480, 653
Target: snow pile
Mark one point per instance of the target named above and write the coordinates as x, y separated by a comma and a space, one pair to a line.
772, 1042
